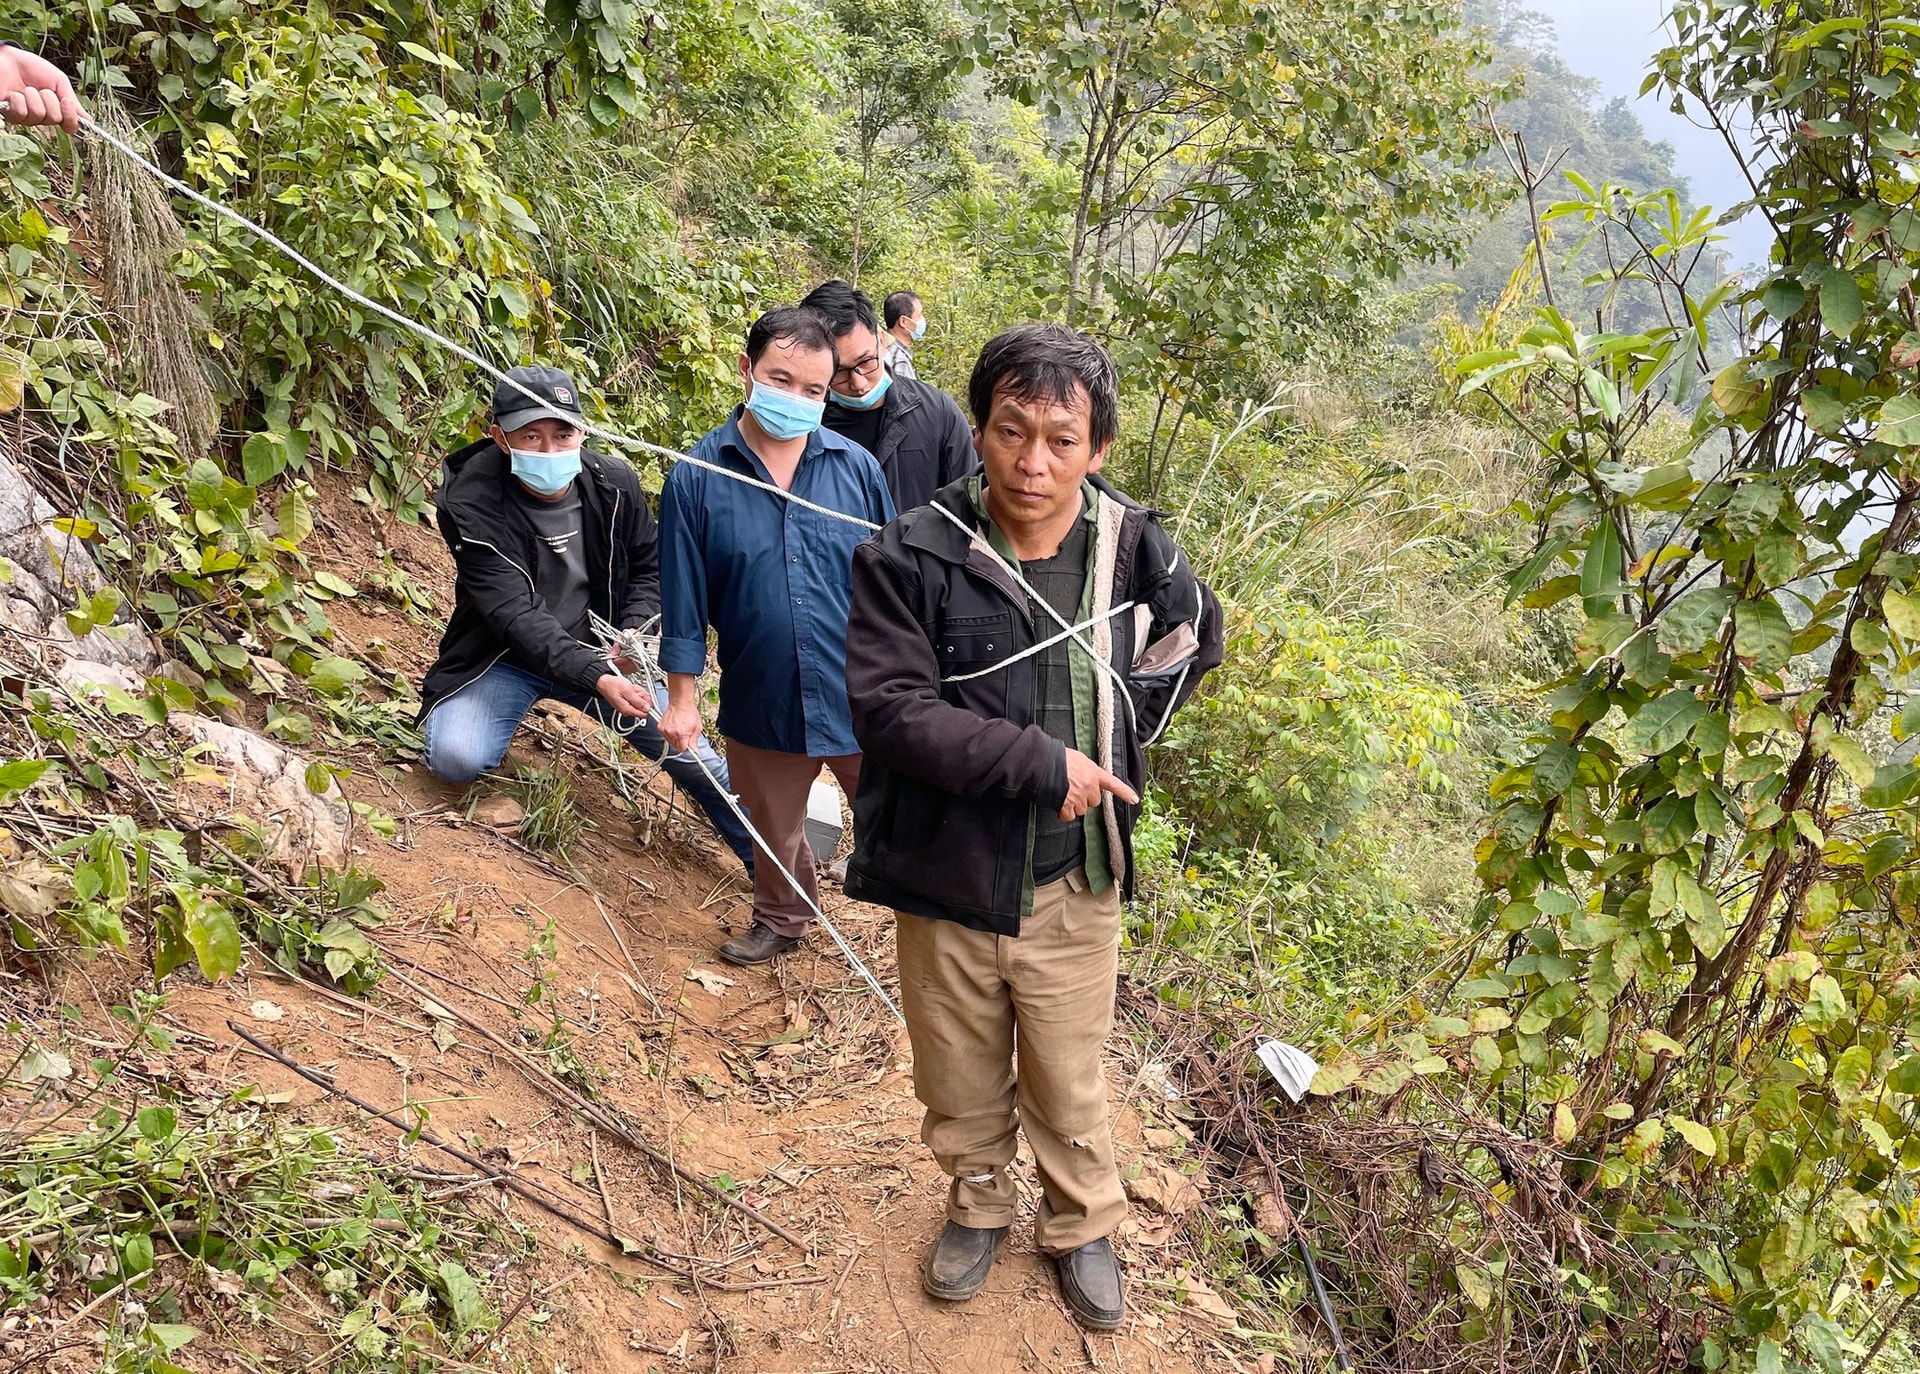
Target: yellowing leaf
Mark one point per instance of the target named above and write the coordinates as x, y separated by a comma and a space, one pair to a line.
1564, 1125
1902, 612
1696, 1135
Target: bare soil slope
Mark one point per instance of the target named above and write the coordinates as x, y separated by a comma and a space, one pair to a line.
790, 1087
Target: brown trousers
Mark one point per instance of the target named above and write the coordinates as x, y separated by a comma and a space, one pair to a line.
773, 788
969, 998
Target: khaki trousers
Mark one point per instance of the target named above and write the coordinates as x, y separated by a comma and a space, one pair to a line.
773, 788
972, 1001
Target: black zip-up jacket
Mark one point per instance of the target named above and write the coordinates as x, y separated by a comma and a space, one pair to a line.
925, 441
951, 771
497, 611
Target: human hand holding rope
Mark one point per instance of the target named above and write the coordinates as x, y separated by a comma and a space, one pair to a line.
34, 91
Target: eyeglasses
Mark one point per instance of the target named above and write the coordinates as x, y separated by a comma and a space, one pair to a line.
867, 368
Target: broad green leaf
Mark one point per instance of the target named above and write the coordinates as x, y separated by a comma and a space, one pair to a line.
1663, 723
262, 458
1852, 1069
1905, 1077
1695, 618
20, 774
463, 1296
1899, 422
1333, 1078
1893, 785
1783, 298
1388, 1079
295, 516
1826, 410
1554, 768
205, 482
1840, 307
1761, 633
1826, 1004
1826, 1343
1600, 569
332, 674
214, 935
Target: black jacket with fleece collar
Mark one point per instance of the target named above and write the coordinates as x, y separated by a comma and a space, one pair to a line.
952, 769
497, 611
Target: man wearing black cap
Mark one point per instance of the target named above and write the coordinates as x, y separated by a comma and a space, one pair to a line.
544, 535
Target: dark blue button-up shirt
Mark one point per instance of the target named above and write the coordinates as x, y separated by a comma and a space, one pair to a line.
774, 580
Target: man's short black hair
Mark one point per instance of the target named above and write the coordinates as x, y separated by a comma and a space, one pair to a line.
802, 327
899, 306
842, 305
1051, 361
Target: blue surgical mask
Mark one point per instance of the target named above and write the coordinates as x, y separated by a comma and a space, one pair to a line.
919, 328
782, 414
868, 401
547, 473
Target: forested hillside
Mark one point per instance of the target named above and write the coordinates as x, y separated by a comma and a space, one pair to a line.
1555, 793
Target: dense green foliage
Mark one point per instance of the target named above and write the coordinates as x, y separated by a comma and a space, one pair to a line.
1699, 985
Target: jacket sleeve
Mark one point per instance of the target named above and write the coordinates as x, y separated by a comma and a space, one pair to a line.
957, 454
683, 576
1182, 600
900, 719
503, 592
642, 601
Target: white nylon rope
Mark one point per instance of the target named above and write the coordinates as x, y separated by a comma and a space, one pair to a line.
626, 441
638, 646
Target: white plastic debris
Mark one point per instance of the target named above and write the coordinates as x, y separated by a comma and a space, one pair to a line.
1292, 1067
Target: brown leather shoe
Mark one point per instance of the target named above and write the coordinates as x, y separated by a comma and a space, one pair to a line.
962, 1256
1090, 1282
757, 945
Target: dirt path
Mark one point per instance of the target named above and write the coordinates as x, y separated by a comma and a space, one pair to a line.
790, 1087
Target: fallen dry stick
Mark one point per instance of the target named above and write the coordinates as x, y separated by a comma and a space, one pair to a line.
598, 1115
624, 1244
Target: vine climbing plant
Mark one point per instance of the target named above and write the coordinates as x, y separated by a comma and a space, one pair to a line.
1698, 985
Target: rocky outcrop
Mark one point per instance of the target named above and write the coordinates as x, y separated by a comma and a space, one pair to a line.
48, 572
257, 782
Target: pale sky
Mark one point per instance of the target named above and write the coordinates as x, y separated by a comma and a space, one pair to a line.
1612, 41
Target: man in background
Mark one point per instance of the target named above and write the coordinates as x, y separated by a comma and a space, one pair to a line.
906, 322
34, 91
1002, 783
774, 580
916, 431
545, 535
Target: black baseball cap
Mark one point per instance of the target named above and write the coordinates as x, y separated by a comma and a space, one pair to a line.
559, 399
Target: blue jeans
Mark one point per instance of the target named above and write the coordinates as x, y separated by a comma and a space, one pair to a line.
467, 734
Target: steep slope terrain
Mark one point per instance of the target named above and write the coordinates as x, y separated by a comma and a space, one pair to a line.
525, 989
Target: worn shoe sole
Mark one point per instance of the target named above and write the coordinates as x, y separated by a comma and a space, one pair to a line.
1092, 1318
969, 1287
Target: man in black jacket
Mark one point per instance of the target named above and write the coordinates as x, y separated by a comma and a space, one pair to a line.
1004, 763
546, 535
915, 430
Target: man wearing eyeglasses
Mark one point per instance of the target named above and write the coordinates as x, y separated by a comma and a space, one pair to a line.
917, 431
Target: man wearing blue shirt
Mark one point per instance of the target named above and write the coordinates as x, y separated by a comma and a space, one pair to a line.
775, 581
